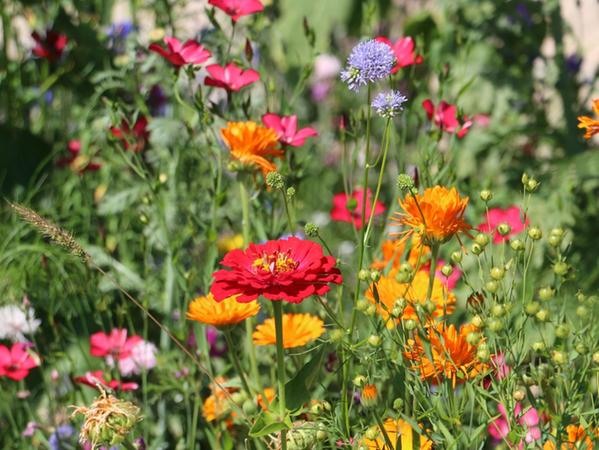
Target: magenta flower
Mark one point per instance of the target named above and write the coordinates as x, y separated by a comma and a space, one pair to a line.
286, 129
404, 52
451, 281
17, 361
113, 346
230, 77
49, 46
499, 429
238, 8
96, 378
342, 213
511, 216
191, 52
445, 116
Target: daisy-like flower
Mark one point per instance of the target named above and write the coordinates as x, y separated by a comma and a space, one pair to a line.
178, 54
404, 52
369, 61
252, 145
298, 330
15, 323
206, 310
389, 290
588, 123
114, 346
141, 359
287, 269
49, 46
511, 216
576, 437
393, 254
96, 378
238, 8
17, 361
436, 215
230, 77
343, 212
389, 104
445, 116
286, 129
454, 358
400, 431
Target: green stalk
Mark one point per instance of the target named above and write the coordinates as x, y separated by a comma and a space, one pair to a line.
245, 213
431, 272
235, 359
278, 312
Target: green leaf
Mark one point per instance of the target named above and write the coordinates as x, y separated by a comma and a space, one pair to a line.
297, 390
267, 423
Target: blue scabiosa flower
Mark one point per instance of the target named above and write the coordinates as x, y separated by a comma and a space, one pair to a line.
368, 62
389, 104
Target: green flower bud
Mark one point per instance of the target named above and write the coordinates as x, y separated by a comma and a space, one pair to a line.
456, 257
398, 404
275, 180
482, 239
581, 349
483, 354
580, 296
492, 286
311, 229
351, 204
478, 322
538, 346
321, 435
519, 394
596, 357
542, 315
290, 192
504, 229
405, 183
554, 241
476, 249
558, 232
486, 195
249, 407
524, 178
364, 275
582, 311
535, 233
497, 273
374, 340
409, 324
447, 270
561, 268
370, 311
532, 308
517, 245
473, 338
362, 304
562, 331
337, 335
359, 381
495, 324
372, 433
559, 357
546, 293
532, 185
375, 275
497, 310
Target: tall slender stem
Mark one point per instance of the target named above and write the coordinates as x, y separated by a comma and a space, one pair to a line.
431, 273
235, 359
245, 213
278, 311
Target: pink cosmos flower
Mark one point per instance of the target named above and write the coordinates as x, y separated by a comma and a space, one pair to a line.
76, 161
191, 52
404, 52
135, 138
97, 377
17, 361
445, 117
340, 212
30, 429
49, 46
499, 429
142, 358
286, 129
511, 216
238, 8
113, 346
230, 77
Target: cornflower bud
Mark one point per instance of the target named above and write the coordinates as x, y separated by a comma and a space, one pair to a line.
456, 257
476, 249
290, 192
275, 180
311, 229
364, 275
481, 239
504, 229
375, 275
535, 233
405, 183
497, 273
486, 195
517, 245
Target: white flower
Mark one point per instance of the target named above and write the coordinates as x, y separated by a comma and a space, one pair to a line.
16, 323
143, 357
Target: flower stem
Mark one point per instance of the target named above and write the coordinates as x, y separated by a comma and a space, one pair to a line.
235, 360
245, 213
431, 273
290, 222
278, 312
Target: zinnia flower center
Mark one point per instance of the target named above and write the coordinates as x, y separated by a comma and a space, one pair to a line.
275, 263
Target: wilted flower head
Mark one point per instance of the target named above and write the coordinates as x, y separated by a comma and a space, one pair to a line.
389, 104
369, 61
15, 323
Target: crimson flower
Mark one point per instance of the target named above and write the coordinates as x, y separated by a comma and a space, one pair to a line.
511, 216
342, 210
286, 129
135, 138
230, 77
445, 117
114, 346
17, 361
76, 161
191, 52
238, 8
287, 269
96, 378
49, 46
404, 52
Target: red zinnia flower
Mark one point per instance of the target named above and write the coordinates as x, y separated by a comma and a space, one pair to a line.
16, 362
76, 161
445, 117
95, 378
230, 77
134, 139
286, 129
49, 46
404, 52
341, 211
238, 8
191, 52
288, 269
511, 216
115, 345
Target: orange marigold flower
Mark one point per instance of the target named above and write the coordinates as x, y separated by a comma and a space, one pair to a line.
298, 330
577, 438
389, 290
393, 254
453, 357
397, 430
591, 125
436, 215
252, 145
205, 309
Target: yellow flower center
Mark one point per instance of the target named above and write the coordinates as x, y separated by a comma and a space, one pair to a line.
275, 263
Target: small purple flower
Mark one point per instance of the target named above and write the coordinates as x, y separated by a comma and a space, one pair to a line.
63, 434
217, 346
369, 61
573, 63
157, 101
389, 104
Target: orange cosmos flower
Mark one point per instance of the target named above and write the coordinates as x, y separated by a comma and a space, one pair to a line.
252, 145
298, 330
591, 125
577, 438
393, 254
453, 357
369, 395
436, 215
397, 429
206, 310
389, 290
